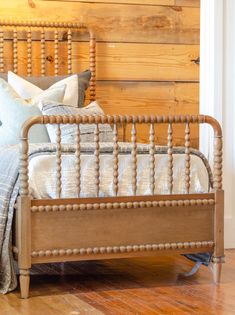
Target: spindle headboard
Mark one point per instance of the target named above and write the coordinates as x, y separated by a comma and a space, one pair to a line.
47, 44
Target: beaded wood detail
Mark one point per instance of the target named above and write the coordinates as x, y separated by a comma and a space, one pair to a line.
134, 158
97, 160
133, 120
218, 152
121, 249
43, 54
92, 67
23, 167
60, 29
1, 50
58, 163
69, 45
187, 158
123, 205
78, 160
29, 52
56, 53
15, 51
170, 158
115, 159
152, 158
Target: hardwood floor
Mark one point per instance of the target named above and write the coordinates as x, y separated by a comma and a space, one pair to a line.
126, 286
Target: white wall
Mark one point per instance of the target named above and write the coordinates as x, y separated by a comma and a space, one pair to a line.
217, 94
229, 120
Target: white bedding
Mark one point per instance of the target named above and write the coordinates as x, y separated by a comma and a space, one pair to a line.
42, 176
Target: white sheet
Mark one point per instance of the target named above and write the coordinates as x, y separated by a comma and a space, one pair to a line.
42, 176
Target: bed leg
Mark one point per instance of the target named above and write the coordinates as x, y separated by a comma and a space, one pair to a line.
218, 256
24, 243
217, 270
24, 283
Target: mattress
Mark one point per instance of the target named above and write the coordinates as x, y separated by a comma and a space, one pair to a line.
42, 173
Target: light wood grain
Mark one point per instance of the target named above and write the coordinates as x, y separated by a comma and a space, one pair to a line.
88, 229
151, 98
127, 2
1, 50
135, 286
119, 61
116, 22
188, 3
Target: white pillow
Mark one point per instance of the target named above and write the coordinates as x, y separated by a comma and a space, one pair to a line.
68, 131
55, 94
13, 113
26, 89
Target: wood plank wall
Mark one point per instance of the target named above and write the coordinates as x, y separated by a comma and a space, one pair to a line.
147, 52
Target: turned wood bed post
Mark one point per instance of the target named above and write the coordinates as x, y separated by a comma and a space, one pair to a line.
24, 211
24, 220
218, 255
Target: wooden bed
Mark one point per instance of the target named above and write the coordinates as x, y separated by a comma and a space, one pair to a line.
41, 229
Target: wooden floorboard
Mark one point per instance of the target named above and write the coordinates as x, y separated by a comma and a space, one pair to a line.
126, 286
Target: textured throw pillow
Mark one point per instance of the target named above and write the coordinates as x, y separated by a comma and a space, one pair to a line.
76, 86
13, 113
68, 132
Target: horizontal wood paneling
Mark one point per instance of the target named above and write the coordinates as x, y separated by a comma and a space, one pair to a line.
121, 61
116, 22
188, 3
146, 2
151, 98
146, 53
158, 98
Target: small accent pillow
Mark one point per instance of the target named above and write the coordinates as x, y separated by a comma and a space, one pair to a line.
76, 86
13, 113
68, 132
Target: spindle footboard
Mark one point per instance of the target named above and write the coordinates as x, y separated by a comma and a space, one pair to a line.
74, 229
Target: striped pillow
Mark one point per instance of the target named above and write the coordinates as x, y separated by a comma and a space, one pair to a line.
68, 132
